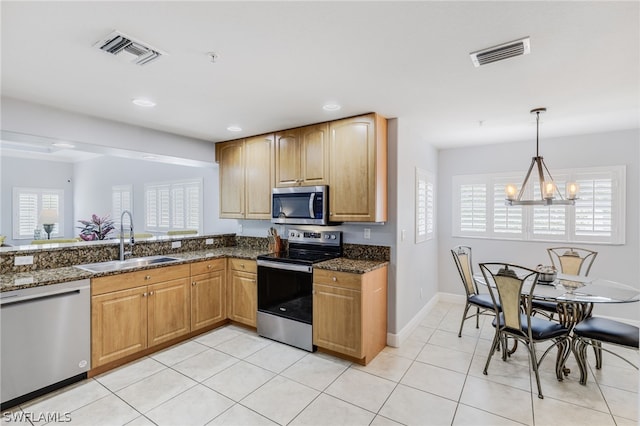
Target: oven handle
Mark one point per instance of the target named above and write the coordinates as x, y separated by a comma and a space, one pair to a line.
287, 266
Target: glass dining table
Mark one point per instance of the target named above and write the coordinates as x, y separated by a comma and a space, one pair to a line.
575, 297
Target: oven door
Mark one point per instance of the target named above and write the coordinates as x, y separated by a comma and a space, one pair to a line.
285, 290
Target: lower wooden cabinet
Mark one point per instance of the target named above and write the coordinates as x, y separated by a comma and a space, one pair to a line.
242, 292
350, 312
133, 311
208, 293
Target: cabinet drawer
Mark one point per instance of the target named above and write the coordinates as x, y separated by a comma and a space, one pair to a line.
243, 265
207, 266
128, 280
341, 279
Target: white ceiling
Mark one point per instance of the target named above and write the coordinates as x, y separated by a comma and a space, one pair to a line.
281, 61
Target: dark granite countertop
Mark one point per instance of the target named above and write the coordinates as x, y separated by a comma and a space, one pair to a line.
19, 280
353, 266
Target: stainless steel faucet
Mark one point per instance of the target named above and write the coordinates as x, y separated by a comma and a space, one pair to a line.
132, 241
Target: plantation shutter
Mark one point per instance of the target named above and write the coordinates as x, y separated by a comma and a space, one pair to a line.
507, 220
473, 208
550, 222
27, 205
594, 208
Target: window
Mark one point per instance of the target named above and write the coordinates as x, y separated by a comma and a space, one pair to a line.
28, 203
173, 206
425, 205
120, 201
597, 217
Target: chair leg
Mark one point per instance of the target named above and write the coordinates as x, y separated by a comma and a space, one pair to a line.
477, 317
534, 365
464, 316
494, 345
597, 350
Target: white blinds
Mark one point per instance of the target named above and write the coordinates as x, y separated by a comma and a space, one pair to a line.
173, 206
27, 205
598, 214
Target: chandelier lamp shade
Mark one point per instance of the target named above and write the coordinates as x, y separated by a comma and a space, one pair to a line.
549, 192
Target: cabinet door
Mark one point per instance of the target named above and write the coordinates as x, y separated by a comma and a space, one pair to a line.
169, 310
243, 297
337, 319
358, 169
232, 191
314, 154
287, 158
258, 176
208, 299
118, 325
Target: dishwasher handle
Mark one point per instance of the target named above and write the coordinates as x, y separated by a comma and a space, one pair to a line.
37, 298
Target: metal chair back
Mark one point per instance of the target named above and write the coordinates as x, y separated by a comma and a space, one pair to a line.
572, 260
462, 259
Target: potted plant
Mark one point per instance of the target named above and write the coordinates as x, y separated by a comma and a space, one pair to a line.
98, 228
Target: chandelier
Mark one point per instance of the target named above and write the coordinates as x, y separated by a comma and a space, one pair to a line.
548, 188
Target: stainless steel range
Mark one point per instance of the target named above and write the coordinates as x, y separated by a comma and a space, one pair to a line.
285, 284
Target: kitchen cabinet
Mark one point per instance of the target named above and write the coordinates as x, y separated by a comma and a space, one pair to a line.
208, 293
302, 155
246, 177
133, 311
242, 299
350, 312
358, 169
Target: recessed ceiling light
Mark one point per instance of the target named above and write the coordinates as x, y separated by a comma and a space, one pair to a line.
234, 128
331, 107
143, 102
63, 145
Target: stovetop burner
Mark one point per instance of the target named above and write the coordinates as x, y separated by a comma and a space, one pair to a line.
308, 247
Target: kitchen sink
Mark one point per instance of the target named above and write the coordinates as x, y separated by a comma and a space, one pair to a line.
117, 265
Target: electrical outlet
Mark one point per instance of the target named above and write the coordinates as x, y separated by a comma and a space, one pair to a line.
367, 233
23, 260
208, 241
176, 244
403, 234
239, 228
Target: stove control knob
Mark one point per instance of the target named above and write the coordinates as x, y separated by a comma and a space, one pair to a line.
292, 234
326, 236
333, 236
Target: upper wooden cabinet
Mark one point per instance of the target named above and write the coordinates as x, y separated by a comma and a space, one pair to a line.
349, 155
358, 169
301, 156
246, 177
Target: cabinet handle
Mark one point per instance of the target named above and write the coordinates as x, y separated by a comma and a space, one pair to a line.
334, 279
193, 283
242, 265
144, 294
209, 266
147, 277
150, 293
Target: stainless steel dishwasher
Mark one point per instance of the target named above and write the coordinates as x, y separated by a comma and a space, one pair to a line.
45, 340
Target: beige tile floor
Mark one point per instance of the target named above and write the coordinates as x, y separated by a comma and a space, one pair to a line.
231, 376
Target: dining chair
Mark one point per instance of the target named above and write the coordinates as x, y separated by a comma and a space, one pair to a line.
568, 260
514, 320
594, 331
482, 302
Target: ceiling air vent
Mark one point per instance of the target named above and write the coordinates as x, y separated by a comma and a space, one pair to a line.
500, 52
124, 46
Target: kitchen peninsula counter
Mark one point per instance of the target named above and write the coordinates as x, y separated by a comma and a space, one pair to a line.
20, 280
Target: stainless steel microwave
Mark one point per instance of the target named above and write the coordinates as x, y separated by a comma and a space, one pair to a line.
307, 205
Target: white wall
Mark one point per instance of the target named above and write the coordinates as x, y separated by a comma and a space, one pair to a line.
33, 119
415, 264
615, 262
20, 172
